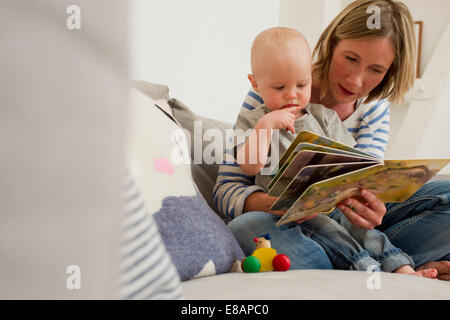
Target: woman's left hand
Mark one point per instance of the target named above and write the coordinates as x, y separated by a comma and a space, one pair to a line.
365, 212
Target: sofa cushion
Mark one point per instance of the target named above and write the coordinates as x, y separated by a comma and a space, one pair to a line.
152, 90
197, 240
204, 174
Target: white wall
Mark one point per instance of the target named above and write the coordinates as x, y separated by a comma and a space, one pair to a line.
419, 128
308, 17
422, 129
435, 14
200, 49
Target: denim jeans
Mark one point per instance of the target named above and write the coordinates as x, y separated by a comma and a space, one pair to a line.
288, 239
350, 247
420, 227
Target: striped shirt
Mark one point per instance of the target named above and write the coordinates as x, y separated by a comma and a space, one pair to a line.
369, 126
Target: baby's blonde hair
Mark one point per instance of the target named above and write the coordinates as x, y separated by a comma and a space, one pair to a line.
277, 37
351, 23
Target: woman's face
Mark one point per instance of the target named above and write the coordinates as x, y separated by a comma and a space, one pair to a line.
357, 67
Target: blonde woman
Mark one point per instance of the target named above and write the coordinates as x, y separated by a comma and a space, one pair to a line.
359, 68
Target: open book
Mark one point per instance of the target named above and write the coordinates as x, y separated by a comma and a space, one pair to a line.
316, 173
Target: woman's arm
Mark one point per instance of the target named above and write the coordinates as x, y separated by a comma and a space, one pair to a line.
371, 133
233, 186
231, 189
235, 194
371, 129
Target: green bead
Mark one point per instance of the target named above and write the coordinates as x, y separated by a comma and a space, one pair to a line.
251, 264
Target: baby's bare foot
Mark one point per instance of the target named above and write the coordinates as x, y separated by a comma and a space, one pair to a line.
426, 273
442, 267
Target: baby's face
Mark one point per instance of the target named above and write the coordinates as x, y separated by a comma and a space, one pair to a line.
283, 79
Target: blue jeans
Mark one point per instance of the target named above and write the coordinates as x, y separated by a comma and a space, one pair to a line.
288, 239
350, 247
419, 226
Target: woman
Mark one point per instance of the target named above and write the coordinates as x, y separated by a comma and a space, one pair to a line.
357, 70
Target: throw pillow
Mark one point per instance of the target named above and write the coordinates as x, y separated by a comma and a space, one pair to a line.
152, 90
204, 174
197, 240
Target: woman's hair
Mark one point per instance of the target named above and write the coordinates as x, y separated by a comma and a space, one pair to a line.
352, 23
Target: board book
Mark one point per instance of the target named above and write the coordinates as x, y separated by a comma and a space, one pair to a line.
316, 173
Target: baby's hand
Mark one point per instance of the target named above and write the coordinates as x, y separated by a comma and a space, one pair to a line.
281, 119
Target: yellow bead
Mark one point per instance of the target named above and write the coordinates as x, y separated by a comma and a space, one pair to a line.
265, 256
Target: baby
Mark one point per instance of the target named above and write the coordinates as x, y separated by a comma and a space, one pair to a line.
281, 66
281, 74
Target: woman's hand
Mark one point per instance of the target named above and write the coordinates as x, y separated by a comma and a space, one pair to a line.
365, 212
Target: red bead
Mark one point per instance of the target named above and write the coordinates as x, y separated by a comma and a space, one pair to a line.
281, 262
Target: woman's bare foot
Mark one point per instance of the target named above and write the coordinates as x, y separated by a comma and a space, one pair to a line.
442, 267
426, 273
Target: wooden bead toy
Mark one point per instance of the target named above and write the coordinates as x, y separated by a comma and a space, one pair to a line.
265, 258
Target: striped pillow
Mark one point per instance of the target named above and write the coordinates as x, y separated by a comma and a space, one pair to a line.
147, 271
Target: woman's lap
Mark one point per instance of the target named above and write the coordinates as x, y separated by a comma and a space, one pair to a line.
287, 239
420, 226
